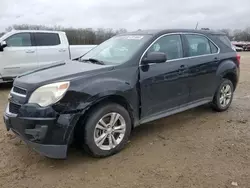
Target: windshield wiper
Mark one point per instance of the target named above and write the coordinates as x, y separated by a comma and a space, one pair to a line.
95, 61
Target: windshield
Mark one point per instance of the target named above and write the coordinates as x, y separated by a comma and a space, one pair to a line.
117, 50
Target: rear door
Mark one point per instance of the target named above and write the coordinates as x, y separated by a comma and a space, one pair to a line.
203, 61
164, 86
19, 56
50, 48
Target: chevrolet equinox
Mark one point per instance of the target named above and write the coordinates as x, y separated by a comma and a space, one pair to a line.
128, 80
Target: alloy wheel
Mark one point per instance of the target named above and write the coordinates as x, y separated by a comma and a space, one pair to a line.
225, 95
109, 131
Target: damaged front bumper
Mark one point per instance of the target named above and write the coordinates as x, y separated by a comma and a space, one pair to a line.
46, 131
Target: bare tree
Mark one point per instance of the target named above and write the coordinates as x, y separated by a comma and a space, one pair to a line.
96, 36
76, 36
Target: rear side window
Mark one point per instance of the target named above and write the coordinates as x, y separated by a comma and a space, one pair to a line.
225, 40
19, 40
47, 39
200, 45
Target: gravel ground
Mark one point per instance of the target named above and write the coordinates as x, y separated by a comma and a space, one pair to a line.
197, 148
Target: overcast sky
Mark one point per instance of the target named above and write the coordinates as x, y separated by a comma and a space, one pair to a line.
129, 14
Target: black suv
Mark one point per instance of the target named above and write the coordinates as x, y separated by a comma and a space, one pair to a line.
128, 80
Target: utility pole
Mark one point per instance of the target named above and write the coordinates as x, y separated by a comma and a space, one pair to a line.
196, 25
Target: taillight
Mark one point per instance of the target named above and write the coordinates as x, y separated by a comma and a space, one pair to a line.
238, 59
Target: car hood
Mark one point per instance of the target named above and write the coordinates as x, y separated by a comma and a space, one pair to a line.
64, 70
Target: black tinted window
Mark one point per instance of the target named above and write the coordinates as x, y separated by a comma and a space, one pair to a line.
47, 39
170, 44
19, 40
225, 40
198, 45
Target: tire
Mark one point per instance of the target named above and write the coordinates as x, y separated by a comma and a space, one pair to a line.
92, 132
218, 104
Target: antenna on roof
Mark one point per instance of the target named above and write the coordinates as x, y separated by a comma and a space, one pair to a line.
196, 25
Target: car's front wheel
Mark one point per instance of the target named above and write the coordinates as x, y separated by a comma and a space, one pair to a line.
107, 130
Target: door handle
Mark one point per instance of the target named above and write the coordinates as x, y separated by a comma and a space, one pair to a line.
30, 51
62, 50
182, 69
216, 59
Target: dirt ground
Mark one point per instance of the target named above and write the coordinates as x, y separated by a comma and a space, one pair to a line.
197, 148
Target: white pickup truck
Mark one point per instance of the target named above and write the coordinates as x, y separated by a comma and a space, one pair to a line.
26, 50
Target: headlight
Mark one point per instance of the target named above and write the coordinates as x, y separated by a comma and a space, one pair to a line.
49, 94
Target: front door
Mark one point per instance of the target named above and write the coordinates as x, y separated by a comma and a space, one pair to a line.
164, 85
19, 56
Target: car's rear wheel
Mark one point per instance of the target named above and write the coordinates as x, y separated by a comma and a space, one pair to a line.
107, 130
223, 96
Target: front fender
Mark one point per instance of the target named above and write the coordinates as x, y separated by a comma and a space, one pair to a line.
111, 86
100, 89
84, 95
85, 92
97, 90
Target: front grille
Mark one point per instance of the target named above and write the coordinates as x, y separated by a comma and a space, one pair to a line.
14, 108
19, 90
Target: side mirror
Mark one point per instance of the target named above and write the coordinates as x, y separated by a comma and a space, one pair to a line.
155, 57
3, 44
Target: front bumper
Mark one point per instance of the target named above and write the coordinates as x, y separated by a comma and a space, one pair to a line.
49, 136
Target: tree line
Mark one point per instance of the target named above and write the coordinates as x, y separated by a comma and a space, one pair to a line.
238, 34
76, 36
81, 36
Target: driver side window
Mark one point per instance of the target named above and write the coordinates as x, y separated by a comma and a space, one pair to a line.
171, 45
19, 40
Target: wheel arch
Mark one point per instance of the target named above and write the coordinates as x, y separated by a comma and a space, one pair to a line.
228, 70
113, 98
232, 77
118, 99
